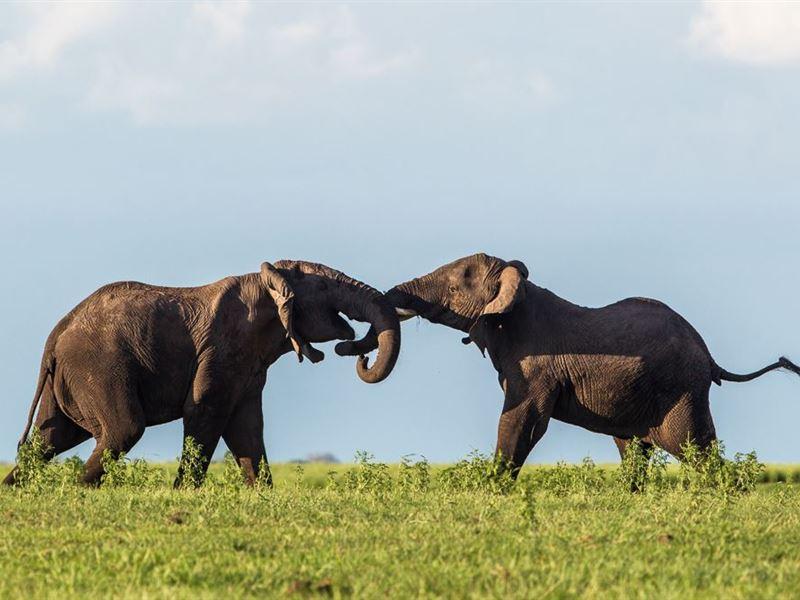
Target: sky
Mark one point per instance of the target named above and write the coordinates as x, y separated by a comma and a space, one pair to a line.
620, 149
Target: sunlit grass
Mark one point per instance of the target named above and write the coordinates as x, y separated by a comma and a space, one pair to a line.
406, 530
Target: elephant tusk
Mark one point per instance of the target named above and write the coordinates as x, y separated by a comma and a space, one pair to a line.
405, 313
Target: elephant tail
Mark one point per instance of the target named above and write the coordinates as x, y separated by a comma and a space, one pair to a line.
48, 368
721, 374
48, 364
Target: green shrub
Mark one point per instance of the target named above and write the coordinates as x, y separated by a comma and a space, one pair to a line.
264, 476
124, 472
31, 462
406, 530
192, 464
414, 476
642, 470
563, 479
704, 470
367, 475
231, 476
478, 472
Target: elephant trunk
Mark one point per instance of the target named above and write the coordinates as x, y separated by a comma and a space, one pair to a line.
401, 299
388, 351
364, 303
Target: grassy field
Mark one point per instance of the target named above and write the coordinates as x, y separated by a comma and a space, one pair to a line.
412, 530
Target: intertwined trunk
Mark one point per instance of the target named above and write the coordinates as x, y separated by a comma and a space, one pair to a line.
398, 297
361, 302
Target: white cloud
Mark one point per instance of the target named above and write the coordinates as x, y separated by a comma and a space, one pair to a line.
301, 32
176, 63
756, 33
347, 52
355, 59
352, 54
226, 19
52, 27
147, 98
501, 86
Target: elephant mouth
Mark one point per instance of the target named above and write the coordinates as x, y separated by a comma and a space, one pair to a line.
433, 313
404, 314
409, 304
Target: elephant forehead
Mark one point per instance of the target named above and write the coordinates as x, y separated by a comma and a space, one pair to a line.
483, 263
310, 285
298, 269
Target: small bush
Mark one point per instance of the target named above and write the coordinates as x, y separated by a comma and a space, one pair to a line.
478, 472
71, 468
192, 467
264, 476
114, 469
642, 470
564, 479
747, 471
632, 471
124, 472
415, 476
527, 500
31, 461
36, 472
367, 475
707, 469
298, 477
232, 476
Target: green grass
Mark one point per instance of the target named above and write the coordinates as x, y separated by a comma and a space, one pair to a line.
372, 530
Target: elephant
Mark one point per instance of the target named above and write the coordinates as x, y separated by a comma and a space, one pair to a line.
634, 368
133, 355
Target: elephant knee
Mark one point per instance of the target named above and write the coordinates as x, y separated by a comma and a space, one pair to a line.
123, 436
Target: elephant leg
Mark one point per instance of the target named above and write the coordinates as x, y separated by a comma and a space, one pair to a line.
11, 477
204, 423
244, 435
645, 450
522, 424
114, 415
58, 432
117, 434
689, 420
622, 446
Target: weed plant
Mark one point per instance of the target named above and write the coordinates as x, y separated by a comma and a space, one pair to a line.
701, 529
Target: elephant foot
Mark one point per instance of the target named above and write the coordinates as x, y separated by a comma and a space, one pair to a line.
11, 478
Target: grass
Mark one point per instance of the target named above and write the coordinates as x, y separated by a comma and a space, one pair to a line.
407, 530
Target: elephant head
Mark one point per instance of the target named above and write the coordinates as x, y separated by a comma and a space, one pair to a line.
309, 298
466, 294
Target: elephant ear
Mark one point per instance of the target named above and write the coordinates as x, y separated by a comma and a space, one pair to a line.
519, 266
510, 291
283, 295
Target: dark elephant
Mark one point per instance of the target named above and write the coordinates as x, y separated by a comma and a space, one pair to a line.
633, 368
133, 355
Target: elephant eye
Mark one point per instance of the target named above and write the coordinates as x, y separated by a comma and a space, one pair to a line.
453, 288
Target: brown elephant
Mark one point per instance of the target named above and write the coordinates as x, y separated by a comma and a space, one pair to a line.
133, 355
633, 368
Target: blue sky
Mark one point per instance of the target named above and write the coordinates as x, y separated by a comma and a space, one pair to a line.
617, 149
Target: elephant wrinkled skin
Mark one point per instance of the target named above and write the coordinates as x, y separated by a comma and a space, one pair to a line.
133, 355
633, 368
